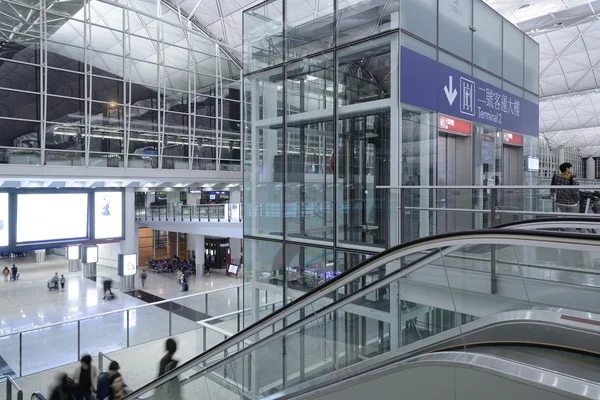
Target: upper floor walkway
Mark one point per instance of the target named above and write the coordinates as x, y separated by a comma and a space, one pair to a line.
223, 220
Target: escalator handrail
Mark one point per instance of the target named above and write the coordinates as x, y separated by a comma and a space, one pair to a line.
485, 236
535, 376
573, 222
37, 396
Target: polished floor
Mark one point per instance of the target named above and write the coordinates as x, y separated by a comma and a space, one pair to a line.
28, 305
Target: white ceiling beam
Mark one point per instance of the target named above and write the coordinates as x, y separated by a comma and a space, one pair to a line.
562, 19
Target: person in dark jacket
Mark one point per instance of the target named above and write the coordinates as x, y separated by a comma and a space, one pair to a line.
171, 390
107, 286
64, 389
566, 200
85, 376
115, 380
171, 348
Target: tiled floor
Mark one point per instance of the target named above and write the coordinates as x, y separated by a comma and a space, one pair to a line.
28, 304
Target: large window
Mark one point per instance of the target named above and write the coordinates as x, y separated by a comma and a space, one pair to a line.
111, 83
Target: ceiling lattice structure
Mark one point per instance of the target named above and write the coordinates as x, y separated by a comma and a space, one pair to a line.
568, 32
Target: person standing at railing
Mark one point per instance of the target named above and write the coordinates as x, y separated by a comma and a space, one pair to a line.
566, 200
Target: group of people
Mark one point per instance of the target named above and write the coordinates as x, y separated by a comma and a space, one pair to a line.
87, 384
12, 274
167, 265
55, 280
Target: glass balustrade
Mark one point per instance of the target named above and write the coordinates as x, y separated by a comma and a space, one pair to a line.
442, 287
231, 212
33, 350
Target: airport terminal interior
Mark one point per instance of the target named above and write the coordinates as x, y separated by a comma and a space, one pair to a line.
314, 199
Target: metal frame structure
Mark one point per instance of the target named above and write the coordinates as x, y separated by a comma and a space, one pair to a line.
126, 23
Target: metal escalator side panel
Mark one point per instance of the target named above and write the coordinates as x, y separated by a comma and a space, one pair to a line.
550, 383
483, 237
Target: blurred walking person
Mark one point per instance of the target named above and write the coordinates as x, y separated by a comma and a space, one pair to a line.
115, 381
85, 376
171, 390
64, 388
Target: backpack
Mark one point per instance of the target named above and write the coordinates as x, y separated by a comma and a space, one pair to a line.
144, 276
103, 386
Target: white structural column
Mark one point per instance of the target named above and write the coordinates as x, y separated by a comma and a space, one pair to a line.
561, 156
199, 252
172, 197
235, 196
149, 199
590, 168
130, 244
396, 223
235, 245
196, 243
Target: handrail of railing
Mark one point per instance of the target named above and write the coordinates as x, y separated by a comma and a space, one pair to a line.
121, 310
480, 187
101, 357
10, 384
477, 237
205, 324
37, 396
228, 211
552, 223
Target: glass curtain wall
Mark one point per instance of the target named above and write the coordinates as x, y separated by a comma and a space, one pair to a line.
324, 130
86, 83
320, 120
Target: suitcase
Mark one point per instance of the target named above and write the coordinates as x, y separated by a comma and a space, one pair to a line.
186, 287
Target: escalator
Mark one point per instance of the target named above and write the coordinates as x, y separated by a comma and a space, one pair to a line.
514, 312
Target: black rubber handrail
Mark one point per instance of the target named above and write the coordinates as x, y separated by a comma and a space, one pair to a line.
321, 291
37, 396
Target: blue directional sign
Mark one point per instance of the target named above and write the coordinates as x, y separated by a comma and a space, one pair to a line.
429, 84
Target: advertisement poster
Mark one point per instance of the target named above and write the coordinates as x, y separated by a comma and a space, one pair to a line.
90, 254
128, 264
41, 217
108, 215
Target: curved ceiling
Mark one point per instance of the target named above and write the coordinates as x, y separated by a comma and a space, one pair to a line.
568, 32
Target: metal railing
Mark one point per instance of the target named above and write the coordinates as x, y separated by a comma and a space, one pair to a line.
318, 305
231, 212
10, 385
429, 210
99, 321
101, 357
206, 325
37, 396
